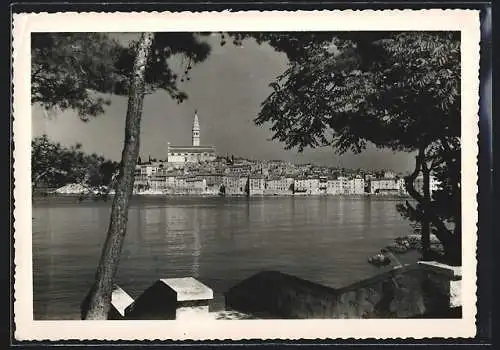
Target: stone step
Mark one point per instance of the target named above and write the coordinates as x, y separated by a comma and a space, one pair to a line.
171, 298
120, 300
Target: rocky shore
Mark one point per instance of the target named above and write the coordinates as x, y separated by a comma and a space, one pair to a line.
402, 245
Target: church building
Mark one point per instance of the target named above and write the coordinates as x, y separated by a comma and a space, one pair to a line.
194, 153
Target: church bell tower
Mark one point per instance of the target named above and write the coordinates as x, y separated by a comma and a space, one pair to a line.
196, 130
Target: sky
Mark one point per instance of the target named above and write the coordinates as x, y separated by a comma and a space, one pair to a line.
226, 90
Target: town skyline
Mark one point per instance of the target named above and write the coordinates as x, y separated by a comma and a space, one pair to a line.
227, 91
60, 128
149, 158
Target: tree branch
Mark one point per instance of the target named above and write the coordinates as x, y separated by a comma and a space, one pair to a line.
442, 233
34, 74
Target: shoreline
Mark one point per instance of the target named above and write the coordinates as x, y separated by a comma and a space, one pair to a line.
95, 197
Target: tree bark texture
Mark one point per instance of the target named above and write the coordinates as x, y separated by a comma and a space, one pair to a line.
97, 303
426, 225
451, 241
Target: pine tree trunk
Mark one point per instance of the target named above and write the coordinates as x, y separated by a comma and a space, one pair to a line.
97, 303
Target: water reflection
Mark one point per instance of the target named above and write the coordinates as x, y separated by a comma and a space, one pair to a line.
340, 210
195, 268
220, 241
152, 215
367, 213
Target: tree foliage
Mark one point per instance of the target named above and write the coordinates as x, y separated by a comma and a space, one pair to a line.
56, 166
76, 70
396, 90
159, 73
67, 69
343, 100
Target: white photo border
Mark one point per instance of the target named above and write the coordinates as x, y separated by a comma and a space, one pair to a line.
466, 21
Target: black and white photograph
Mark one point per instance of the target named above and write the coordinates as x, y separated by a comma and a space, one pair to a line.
233, 176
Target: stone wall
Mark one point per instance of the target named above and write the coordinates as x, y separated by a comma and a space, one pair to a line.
274, 294
423, 289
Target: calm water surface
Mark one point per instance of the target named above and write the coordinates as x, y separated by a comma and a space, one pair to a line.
220, 241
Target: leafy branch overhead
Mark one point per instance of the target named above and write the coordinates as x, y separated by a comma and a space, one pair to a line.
159, 74
396, 90
399, 90
74, 70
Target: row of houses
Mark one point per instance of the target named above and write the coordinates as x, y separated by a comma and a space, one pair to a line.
348, 186
257, 184
269, 169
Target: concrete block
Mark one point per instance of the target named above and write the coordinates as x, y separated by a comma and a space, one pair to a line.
455, 294
172, 298
449, 277
120, 300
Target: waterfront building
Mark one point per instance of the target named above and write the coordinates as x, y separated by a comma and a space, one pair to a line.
402, 187
384, 186
339, 186
256, 185
272, 185
141, 183
213, 179
243, 180
170, 179
195, 153
190, 185
196, 185
306, 185
142, 177
179, 182
213, 182
287, 184
344, 185
233, 184
357, 185
333, 187
157, 182
323, 184
300, 185
279, 185
419, 184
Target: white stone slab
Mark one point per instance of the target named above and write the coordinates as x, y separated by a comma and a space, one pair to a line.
454, 272
189, 289
120, 300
